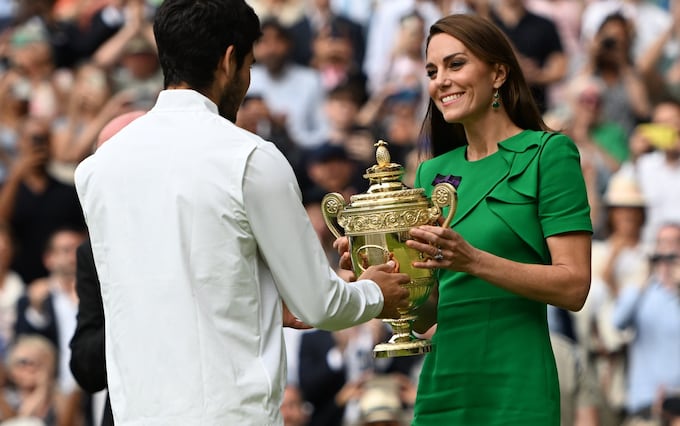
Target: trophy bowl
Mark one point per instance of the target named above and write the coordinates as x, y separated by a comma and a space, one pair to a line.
377, 224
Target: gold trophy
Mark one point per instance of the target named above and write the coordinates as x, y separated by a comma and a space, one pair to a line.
377, 224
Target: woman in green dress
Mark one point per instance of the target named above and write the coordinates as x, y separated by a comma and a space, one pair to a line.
520, 238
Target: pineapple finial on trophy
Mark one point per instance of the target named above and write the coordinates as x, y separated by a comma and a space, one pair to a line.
382, 155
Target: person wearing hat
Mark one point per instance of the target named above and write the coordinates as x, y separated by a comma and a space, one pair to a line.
380, 404
618, 260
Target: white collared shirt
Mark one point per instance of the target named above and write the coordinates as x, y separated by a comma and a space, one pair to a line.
198, 232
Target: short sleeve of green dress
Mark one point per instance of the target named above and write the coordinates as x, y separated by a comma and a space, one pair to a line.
492, 363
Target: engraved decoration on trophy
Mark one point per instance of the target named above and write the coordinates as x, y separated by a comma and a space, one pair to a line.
377, 224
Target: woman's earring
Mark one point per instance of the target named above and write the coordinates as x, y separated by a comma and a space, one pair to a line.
496, 100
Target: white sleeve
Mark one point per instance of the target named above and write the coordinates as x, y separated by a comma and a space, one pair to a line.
292, 251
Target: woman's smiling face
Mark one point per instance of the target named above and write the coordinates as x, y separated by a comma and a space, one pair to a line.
460, 84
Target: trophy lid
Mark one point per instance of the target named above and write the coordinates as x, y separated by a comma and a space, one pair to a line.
385, 175
386, 189
387, 206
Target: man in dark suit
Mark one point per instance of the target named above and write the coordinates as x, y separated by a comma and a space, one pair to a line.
88, 363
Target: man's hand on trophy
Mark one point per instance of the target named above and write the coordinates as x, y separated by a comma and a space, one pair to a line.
391, 284
342, 246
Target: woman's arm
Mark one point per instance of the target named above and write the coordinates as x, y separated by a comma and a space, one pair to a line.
564, 283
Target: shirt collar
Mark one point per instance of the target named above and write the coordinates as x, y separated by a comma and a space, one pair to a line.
184, 100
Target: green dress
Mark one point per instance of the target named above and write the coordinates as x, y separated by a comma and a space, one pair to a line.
492, 363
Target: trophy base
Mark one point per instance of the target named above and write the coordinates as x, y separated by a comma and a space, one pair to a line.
395, 349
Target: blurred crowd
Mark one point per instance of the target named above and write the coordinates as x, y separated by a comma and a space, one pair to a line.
331, 78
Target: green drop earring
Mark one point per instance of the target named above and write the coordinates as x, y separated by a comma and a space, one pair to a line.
496, 101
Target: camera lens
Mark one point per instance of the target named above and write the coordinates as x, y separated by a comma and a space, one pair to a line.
608, 43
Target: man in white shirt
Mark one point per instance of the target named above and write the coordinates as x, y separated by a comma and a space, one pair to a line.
198, 235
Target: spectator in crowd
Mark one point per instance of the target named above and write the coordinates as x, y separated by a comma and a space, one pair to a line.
657, 166
330, 169
380, 403
293, 93
256, 117
647, 21
287, 12
332, 58
70, 41
11, 289
566, 14
383, 30
34, 203
49, 309
75, 130
538, 45
335, 368
294, 409
31, 56
31, 366
660, 63
15, 94
319, 22
342, 108
132, 59
402, 74
652, 309
580, 394
619, 259
603, 145
625, 99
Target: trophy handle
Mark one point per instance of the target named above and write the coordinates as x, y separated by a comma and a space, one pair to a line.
445, 195
331, 206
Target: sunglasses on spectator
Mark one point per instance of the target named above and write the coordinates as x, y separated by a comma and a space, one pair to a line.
26, 362
664, 258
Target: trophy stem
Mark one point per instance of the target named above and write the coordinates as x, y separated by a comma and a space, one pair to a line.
403, 342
